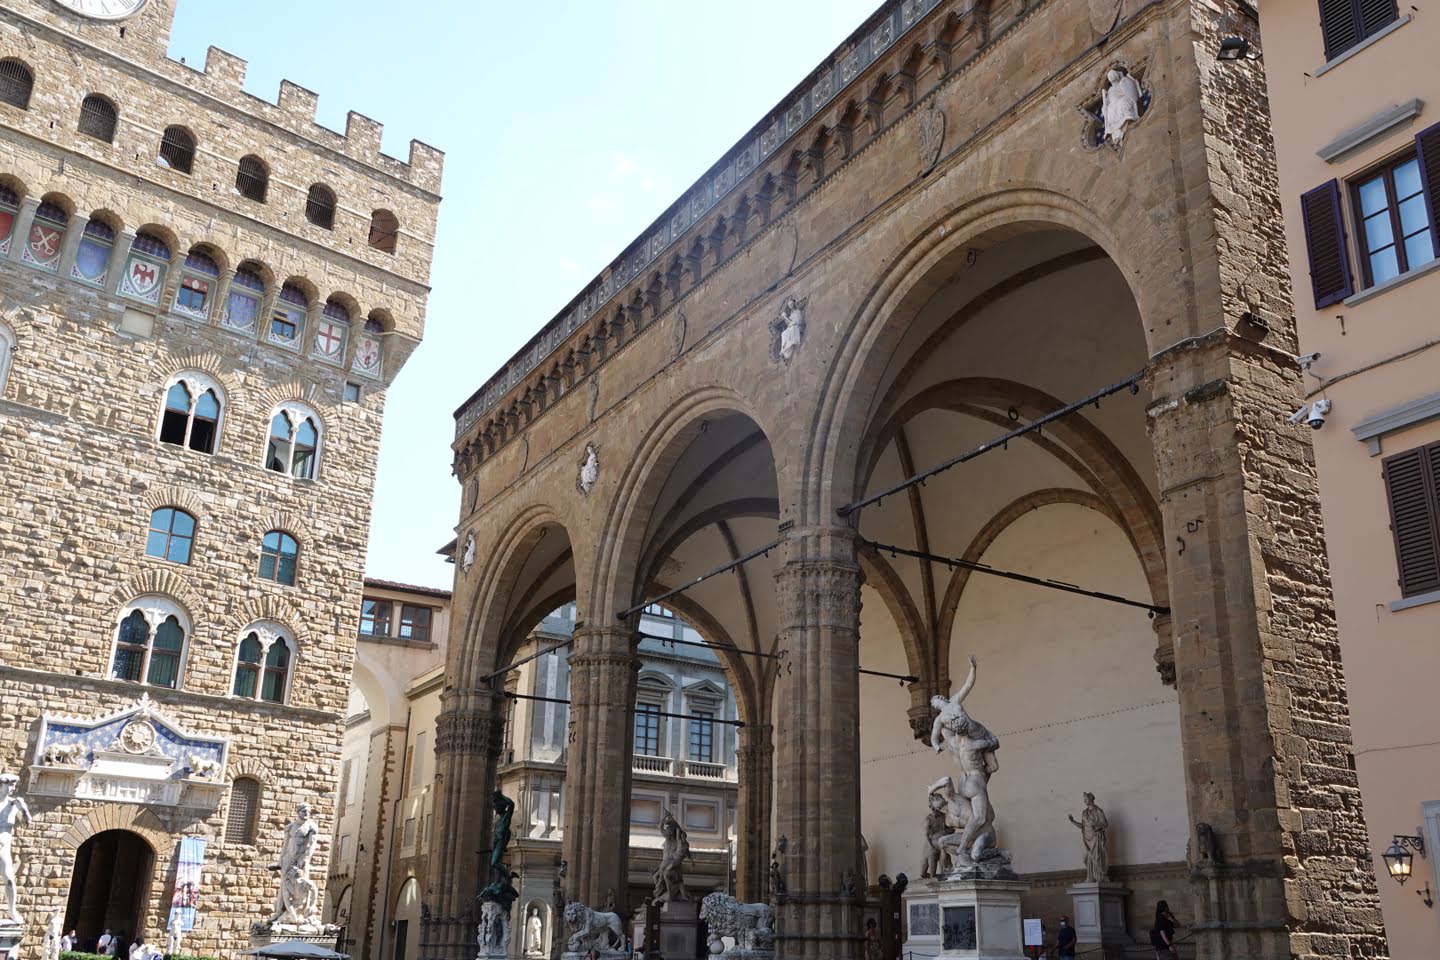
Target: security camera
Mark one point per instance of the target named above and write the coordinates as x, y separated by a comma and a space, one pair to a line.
1299, 416
1307, 359
1318, 410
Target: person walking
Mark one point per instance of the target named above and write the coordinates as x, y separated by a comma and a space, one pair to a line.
1065, 940
1162, 935
106, 941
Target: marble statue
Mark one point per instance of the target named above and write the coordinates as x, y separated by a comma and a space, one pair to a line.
493, 936
589, 469
752, 925
973, 747
467, 559
557, 900
937, 858
54, 930
12, 811
298, 901
669, 879
1093, 825
172, 935
1120, 105
203, 766
70, 754
592, 929
791, 326
777, 867
534, 934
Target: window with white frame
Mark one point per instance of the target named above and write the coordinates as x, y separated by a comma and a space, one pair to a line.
191, 415
199, 274
150, 636
263, 663
294, 444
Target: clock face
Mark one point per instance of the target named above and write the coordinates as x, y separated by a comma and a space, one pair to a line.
104, 9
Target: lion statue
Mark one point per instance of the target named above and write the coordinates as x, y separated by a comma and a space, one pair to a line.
592, 929
751, 924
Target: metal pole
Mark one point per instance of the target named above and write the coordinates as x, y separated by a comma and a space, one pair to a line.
758, 552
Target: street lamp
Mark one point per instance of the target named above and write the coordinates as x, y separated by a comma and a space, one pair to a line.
1399, 860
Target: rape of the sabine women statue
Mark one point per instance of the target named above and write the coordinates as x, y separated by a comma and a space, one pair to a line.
967, 797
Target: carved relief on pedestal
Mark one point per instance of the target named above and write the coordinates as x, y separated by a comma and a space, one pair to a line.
932, 137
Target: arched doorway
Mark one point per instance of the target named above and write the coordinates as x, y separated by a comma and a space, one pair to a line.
109, 884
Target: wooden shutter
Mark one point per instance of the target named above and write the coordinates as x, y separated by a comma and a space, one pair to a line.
1339, 25
1427, 148
1375, 15
1325, 238
1409, 482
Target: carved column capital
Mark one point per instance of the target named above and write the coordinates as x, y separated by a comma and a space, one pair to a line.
469, 725
818, 592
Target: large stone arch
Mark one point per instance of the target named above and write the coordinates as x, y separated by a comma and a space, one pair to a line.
120, 816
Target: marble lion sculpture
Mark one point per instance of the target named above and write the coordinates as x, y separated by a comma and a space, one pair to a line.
751, 924
592, 929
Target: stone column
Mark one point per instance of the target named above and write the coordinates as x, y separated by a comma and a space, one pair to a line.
603, 667
74, 231
24, 220
1279, 865
219, 294
467, 743
755, 761
116, 265
817, 743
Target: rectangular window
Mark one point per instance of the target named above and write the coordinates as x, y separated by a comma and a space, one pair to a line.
417, 768
345, 773
352, 393
285, 326
702, 736
1412, 480
375, 618
647, 729
344, 851
193, 295
1394, 224
1345, 23
408, 840
414, 623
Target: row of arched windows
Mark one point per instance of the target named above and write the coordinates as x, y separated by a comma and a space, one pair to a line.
99, 118
152, 640
171, 536
194, 410
202, 292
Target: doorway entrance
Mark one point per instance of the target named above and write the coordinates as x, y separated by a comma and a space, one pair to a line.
108, 886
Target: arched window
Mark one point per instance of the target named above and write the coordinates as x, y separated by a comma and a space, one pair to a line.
177, 149
7, 349
92, 257
97, 118
320, 206
16, 82
278, 555
47, 234
294, 445
9, 206
242, 305
244, 810
330, 332
198, 276
253, 179
172, 534
262, 663
150, 642
384, 230
191, 417
289, 317
144, 275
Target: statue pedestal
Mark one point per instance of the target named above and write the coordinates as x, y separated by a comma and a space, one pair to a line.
1099, 913
9, 937
965, 919
679, 926
598, 954
321, 934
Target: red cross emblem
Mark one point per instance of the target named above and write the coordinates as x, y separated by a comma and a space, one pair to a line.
328, 340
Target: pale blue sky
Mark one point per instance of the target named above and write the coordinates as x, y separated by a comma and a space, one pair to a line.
567, 127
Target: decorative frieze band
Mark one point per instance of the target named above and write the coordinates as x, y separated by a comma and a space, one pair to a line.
468, 735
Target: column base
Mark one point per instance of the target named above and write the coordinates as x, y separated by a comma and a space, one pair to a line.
965, 919
1099, 914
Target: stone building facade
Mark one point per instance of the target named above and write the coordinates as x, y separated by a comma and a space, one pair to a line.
1038, 235
203, 298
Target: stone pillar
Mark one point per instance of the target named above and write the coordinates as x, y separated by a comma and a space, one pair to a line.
1279, 865
467, 743
74, 231
118, 252
603, 668
817, 744
755, 761
24, 220
219, 294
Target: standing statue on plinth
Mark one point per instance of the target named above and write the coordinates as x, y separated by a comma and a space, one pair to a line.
500, 839
973, 747
669, 880
12, 812
1093, 825
298, 901
54, 930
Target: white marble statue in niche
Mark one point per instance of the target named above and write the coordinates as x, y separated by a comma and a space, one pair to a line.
789, 329
534, 934
12, 811
589, 469
1120, 105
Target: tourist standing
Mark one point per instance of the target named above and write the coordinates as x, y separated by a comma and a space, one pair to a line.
105, 943
1065, 940
1162, 935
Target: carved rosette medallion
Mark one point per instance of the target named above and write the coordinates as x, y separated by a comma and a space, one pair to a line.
932, 137
137, 736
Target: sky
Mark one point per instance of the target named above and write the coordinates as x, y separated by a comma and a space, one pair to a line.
568, 127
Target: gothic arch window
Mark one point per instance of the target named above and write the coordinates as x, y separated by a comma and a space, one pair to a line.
279, 555
9, 209
289, 316
47, 234
384, 231
177, 149
252, 180
320, 206
145, 268
244, 810
191, 416
198, 276
171, 535
97, 118
263, 663
16, 83
7, 350
92, 256
150, 636
330, 332
294, 443
242, 304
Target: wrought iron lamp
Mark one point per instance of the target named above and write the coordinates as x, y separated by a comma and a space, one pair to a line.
1399, 860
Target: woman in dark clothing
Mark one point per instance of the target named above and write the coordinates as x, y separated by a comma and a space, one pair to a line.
1162, 935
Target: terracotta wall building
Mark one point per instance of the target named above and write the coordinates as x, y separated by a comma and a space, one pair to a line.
203, 298
1353, 94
